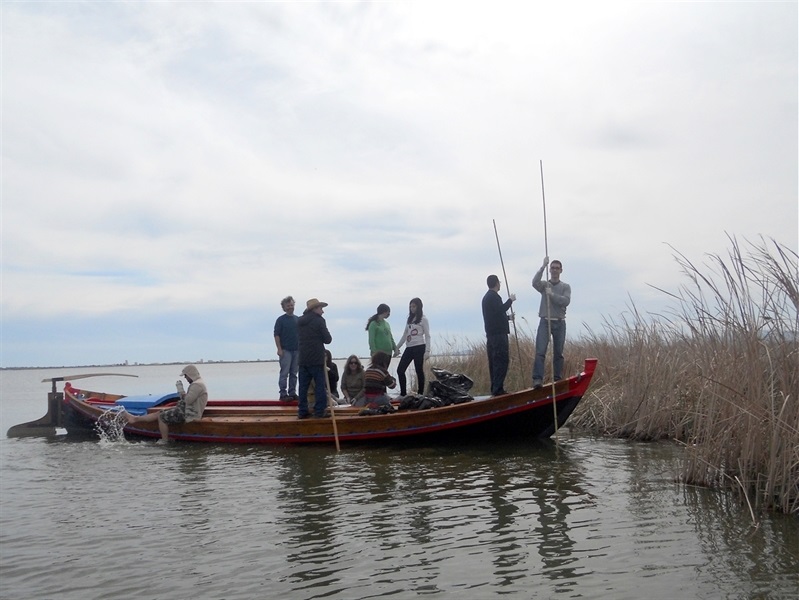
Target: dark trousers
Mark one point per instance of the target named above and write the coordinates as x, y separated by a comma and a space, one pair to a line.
415, 354
498, 358
317, 374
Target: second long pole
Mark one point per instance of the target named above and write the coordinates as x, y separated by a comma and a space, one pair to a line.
507, 287
549, 323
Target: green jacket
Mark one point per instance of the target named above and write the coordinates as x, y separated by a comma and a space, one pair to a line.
380, 337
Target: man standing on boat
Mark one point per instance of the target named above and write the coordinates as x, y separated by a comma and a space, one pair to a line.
497, 332
288, 349
555, 297
313, 335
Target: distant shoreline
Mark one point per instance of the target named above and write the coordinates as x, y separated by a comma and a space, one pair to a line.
140, 364
180, 362
156, 364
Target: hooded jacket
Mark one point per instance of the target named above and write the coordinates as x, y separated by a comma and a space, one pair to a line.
196, 396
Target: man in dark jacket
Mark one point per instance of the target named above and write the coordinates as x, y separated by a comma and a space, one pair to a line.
497, 331
313, 334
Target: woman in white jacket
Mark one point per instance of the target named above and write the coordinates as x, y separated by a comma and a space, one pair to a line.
416, 340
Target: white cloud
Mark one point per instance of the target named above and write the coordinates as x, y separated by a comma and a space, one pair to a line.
215, 157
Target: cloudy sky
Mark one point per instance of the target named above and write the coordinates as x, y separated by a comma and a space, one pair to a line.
171, 170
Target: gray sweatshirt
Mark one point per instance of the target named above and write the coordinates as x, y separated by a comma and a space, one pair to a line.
557, 302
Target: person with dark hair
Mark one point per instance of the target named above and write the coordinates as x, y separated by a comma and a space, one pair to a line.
352, 381
377, 379
190, 406
417, 338
313, 334
556, 295
380, 338
497, 330
288, 345
332, 374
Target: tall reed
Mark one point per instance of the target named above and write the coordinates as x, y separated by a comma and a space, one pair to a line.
719, 374
739, 328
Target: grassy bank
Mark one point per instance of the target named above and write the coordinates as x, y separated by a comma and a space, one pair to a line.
719, 374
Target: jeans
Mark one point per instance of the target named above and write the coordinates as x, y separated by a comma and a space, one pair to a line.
317, 374
558, 327
288, 372
498, 359
415, 354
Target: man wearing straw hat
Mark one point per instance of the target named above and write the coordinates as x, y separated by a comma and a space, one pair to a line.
555, 297
313, 334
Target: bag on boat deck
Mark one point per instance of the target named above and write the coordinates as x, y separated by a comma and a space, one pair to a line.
450, 388
415, 402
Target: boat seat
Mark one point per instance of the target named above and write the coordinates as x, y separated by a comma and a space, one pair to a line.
138, 405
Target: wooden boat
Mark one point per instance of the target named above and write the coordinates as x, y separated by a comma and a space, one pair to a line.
527, 413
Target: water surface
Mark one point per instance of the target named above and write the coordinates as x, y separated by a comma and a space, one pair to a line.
587, 518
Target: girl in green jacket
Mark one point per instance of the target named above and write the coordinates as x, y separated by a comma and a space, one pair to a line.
380, 338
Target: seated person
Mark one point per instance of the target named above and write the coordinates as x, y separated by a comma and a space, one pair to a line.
377, 380
353, 380
189, 408
332, 374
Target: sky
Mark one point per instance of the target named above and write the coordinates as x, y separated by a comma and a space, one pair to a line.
172, 170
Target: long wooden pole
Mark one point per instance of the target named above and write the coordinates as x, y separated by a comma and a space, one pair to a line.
507, 287
549, 323
331, 406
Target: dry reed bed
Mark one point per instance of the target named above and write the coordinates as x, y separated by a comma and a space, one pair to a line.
719, 374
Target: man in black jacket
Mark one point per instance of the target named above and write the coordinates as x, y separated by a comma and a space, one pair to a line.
497, 331
313, 334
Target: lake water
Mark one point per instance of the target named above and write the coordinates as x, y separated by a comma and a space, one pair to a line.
586, 518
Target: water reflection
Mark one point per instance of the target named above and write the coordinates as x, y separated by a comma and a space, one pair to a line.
309, 515
195, 492
772, 543
557, 489
408, 515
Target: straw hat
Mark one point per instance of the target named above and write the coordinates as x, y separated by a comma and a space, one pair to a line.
313, 303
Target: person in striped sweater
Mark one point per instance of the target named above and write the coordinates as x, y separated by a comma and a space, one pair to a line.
377, 380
